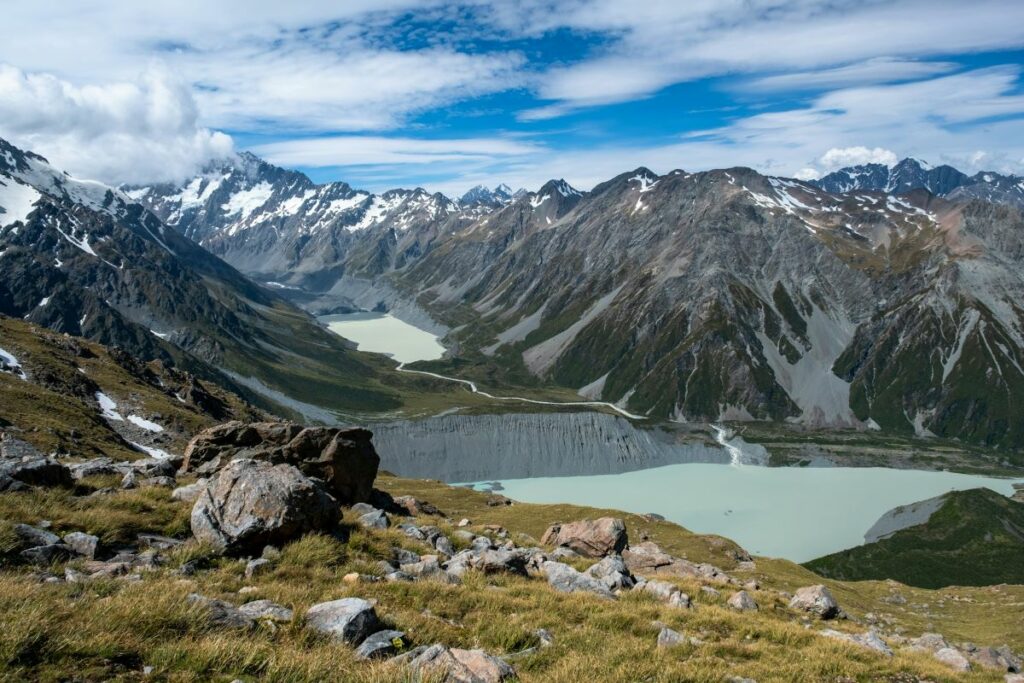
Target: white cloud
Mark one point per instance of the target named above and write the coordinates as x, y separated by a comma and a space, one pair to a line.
144, 131
838, 157
878, 70
355, 150
660, 42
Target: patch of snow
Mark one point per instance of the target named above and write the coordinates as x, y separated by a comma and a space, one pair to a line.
82, 244
45, 300
162, 335
647, 183
142, 422
245, 202
157, 453
108, 408
17, 201
966, 327
11, 362
537, 201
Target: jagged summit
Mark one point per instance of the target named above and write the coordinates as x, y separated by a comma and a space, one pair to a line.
914, 174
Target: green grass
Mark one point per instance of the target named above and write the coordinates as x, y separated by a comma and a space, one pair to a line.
109, 630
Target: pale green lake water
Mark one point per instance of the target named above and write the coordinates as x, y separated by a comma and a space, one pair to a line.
791, 512
383, 333
798, 513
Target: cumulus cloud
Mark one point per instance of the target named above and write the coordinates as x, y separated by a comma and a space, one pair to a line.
838, 157
126, 132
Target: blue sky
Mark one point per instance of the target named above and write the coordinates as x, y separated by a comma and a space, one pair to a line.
446, 95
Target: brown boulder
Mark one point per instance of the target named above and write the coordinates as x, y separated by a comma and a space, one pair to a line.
595, 538
344, 459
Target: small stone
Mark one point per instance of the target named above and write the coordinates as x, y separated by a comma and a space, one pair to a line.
351, 577
742, 601
267, 610
669, 638
257, 567
378, 519
221, 613
463, 522
953, 658
34, 536
82, 544
350, 619
382, 644
45, 555
189, 493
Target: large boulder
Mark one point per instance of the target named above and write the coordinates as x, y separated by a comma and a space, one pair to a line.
816, 600
343, 458
648, 558
21, 466
592, 538
251, 504
565, 579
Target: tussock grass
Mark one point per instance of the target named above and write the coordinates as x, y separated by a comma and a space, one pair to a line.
111, 629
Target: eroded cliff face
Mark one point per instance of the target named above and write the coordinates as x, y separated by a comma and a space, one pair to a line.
464, 448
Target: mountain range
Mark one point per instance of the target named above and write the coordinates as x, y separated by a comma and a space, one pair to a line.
85, 259
875, 298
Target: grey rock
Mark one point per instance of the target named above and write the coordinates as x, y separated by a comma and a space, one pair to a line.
219, 613
257, 567
189, 493
250, 504
742, 601
363, 509
342, 458
669, 638
378, 519
565, 579
460, 666
591, 538
82, 544
266, 610
953, 658
350, 619
816, 600
16, 472
870, 639
32, 536
381, 644
45, 555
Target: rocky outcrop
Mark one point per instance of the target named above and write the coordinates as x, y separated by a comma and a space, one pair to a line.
648, 558
595, 538
250, 504
342, 458
22, 466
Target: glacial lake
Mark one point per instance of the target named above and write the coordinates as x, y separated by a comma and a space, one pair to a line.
798, 513
384, 333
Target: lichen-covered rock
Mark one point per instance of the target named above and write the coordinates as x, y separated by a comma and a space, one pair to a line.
250, 504
381, 644
344, 459
592, 538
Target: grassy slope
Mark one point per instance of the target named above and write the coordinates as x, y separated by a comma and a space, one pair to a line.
975, 538
55, 409
107, 630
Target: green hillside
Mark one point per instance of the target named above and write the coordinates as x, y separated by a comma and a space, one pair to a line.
975, 539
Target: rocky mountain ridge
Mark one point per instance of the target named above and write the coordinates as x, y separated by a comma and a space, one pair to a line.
696, 296
85, 259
